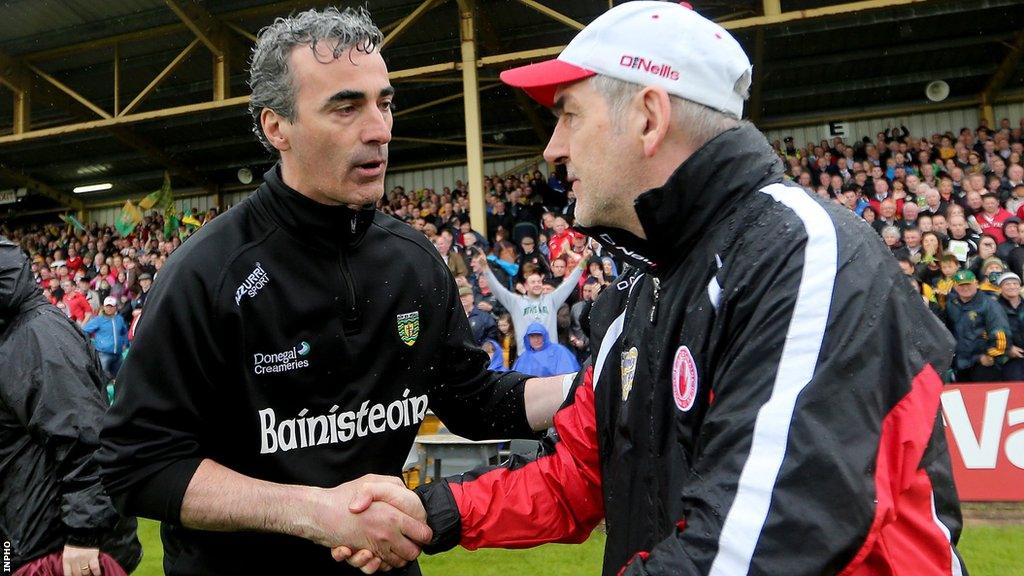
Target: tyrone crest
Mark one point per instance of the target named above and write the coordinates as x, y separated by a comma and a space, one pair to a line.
409, 327
628, 368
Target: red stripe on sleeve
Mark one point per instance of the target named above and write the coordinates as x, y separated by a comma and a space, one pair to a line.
905, 537
556, 498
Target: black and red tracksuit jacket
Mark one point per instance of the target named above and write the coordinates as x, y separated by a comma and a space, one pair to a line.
763, 398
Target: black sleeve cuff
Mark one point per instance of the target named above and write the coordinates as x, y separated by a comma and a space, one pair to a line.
160, 495
442, 516
85, 538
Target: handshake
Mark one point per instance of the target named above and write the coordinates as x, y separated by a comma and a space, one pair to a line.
373, 523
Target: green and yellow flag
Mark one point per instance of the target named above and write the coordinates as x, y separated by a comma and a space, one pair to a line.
160, 200
128, 219
70, 220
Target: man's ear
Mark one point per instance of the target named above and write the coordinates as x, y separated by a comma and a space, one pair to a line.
656, 112
277, 129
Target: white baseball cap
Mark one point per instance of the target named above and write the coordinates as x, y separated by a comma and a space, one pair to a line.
652, 44
110, 301
1006, 276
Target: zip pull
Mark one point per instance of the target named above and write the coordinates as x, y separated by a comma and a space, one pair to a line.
654, 305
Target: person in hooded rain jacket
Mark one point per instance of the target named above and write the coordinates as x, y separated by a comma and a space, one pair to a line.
542, 357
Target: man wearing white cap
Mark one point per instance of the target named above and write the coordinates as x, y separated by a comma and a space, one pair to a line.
1010, 300
764, 394
109, 335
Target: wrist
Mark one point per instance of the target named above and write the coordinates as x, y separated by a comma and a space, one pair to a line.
298, 514
84, 538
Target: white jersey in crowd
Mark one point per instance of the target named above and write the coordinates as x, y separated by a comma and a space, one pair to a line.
526, 310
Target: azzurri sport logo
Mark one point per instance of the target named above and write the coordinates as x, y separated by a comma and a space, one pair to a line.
291, 359
252, 285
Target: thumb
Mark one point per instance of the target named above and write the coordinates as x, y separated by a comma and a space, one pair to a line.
361, 500
370, 492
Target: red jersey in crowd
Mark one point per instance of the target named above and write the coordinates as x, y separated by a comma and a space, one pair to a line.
561, 242
78, 306
74, 263
993, 225
876, 205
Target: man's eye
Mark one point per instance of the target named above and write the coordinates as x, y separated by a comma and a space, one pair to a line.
388, 106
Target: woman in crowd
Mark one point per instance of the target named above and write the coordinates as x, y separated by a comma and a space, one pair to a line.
891, 237
869, 215
507, 339
611, 271
929, 268
987, 246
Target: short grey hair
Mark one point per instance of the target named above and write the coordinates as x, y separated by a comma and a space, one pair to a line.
892, 231
269, 77
698, 122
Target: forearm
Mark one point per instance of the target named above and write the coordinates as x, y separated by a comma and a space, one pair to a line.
501, 293
220, 499
555, 498
542, 398
569, 283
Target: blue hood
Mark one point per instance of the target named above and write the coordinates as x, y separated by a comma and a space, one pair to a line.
536, 328
551, 359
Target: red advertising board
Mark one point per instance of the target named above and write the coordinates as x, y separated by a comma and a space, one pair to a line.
985, 431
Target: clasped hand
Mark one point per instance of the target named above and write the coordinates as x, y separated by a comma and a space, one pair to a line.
379, 517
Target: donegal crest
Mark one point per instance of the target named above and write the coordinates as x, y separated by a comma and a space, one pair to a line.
409, 327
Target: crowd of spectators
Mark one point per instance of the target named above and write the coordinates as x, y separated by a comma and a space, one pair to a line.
97, 277
948, 205
527, 285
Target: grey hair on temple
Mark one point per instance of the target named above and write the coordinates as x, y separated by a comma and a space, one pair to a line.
269, 76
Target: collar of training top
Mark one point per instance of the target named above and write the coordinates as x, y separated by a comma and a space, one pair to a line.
329, 227
699, 193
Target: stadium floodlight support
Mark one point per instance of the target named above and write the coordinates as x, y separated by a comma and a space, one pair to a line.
126, 116
442, 142
117, 79
217, 36
471, 107
453, 162
999, 77
67, 90
862, 114
160, 77
22, 105
491, 40
441, 100
405, 23
42, 188
553, 14
19, 74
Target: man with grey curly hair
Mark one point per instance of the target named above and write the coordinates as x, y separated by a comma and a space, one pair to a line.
288, 369
336, 151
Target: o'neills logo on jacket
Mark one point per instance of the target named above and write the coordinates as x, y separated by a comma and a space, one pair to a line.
641, 63
336, 427
255, 282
